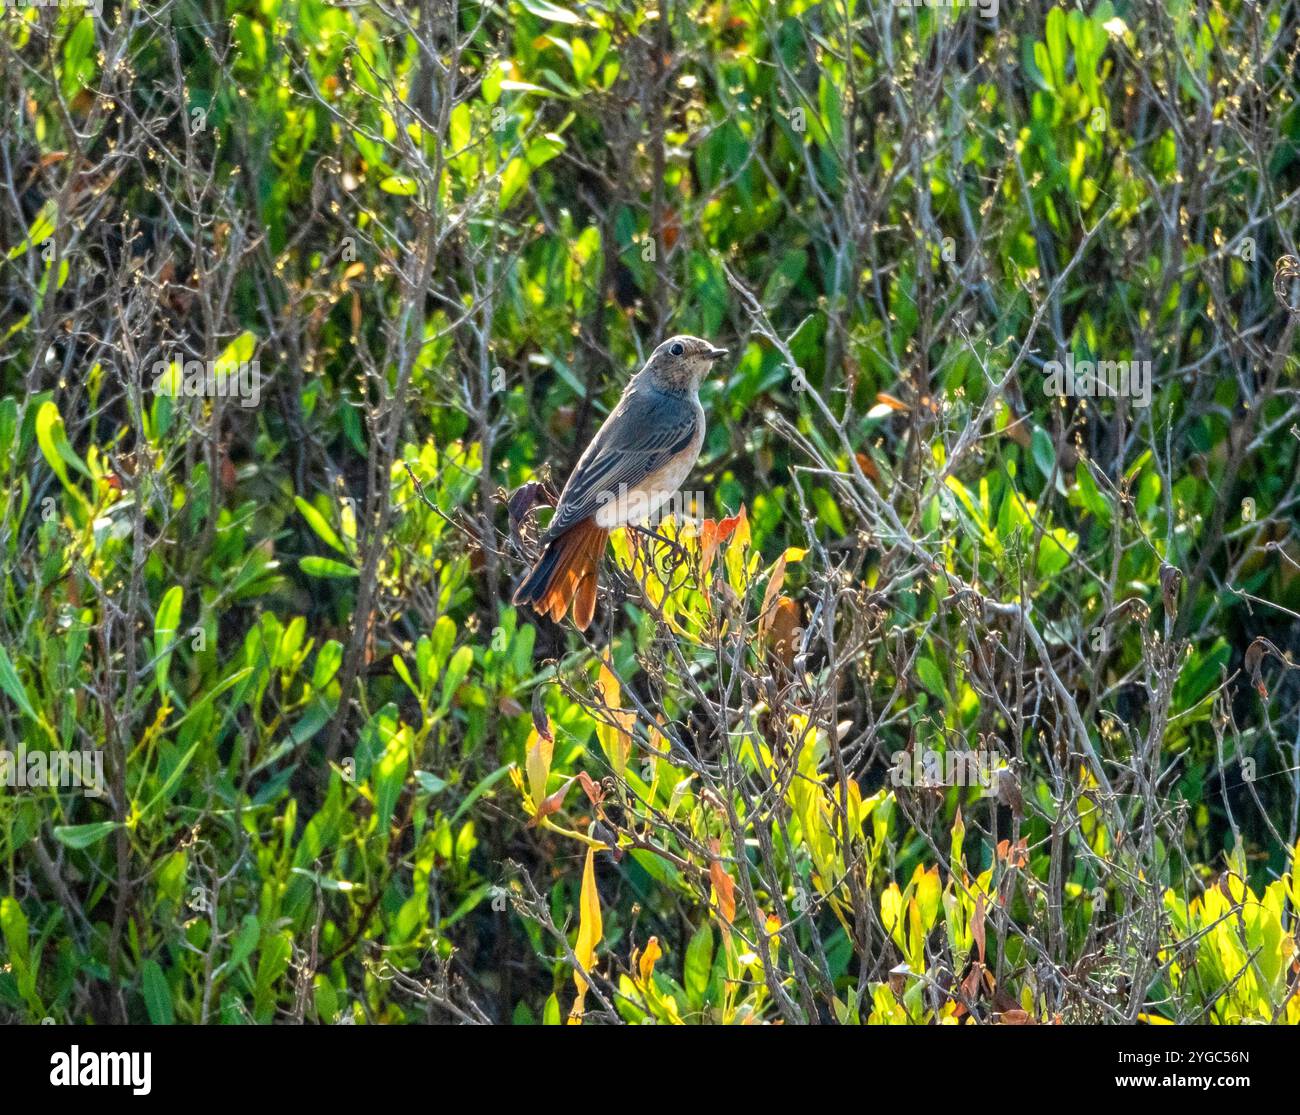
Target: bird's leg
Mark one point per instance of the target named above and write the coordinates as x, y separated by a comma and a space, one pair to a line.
672, 544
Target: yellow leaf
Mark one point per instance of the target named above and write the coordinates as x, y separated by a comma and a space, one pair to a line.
927, 895
538, 763
589, 934
1295, 876
741, 536
891, 910
615, 739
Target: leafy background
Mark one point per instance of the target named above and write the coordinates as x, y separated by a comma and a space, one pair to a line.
347, 782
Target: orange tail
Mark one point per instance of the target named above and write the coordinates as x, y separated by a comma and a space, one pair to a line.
567, 573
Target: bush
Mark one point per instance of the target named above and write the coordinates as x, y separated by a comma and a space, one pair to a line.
953, 694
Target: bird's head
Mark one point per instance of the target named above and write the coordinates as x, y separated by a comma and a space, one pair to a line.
681, 362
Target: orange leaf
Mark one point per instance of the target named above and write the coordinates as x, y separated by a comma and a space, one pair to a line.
724, 888
713, 534
885, 404
867, 465
646, 964
669, 227
1016, 855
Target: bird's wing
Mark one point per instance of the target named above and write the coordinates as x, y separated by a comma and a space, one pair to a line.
643, 433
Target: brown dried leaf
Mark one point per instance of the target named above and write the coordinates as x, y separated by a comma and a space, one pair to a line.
977, 926
1009, 792
1018, 431
1171, 577
783, 631
766, 612
594, 791
1285, 270
551, 804
521, 503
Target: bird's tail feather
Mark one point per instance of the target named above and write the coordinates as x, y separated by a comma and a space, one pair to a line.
567, 572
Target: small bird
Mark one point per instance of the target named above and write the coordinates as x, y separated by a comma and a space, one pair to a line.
634, 465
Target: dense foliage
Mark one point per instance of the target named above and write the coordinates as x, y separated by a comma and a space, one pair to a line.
345, 781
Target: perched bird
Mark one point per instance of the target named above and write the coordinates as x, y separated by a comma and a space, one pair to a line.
634, 465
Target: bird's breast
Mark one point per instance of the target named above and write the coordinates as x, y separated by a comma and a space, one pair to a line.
640, 502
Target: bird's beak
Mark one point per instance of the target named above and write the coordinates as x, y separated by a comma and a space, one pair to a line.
716, 353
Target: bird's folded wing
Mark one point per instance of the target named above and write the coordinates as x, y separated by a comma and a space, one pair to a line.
641, 436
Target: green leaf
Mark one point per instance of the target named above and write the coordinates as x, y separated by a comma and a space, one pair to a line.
42, 228
22, 967
429, 782
1090, 495
1056, 36
239, 351
13, 924
1043, 452
1055, 550
157, 995
245, 941
931, 676
482, 788
165, 625
317, 522
699, 963
328, 660
457, 671
326, 567
173, 779
8, 425
400, 185
552, 13
390, 773
12, 684
326, 999
83, 836
271, 964
78, 58
518, 170
53, 440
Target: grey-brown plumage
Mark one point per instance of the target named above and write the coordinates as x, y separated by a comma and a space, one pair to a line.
636, 462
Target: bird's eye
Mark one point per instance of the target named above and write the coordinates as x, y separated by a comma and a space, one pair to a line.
677, 349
